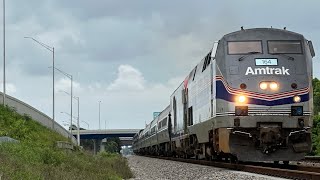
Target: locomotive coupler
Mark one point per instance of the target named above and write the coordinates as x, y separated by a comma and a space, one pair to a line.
270, 137
267, 149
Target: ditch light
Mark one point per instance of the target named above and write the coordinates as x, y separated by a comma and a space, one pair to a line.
241, 110
296, 110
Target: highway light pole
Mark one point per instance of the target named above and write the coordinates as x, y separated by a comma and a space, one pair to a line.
51, 49
78, 129
99, 114
71, 91
4, 53
78, 132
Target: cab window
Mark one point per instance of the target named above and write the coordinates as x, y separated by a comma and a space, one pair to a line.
284, 47
244, 47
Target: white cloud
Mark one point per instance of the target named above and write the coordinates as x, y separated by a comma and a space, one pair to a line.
127, 102
10, 88
64, 84
129, 79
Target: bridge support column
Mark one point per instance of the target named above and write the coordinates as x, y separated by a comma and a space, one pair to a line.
96, 145
103, 145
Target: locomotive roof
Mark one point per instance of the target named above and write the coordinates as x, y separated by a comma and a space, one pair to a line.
261, 30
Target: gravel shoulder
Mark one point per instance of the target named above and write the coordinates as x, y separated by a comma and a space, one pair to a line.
151, 168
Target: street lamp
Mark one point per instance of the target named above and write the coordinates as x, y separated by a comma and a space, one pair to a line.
78, 99
78, 128
4, 53
78, 132
71, 79
99, 114
51, 49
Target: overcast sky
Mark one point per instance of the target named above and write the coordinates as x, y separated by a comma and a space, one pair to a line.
130, 55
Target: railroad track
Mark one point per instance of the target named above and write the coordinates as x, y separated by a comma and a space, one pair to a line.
315, 159
283, 171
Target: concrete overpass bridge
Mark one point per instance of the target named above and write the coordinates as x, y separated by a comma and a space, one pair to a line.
105, 133
100, 136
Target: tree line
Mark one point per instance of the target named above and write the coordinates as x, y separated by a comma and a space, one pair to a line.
316, 118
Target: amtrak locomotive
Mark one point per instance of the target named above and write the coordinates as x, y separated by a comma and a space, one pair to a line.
249, 99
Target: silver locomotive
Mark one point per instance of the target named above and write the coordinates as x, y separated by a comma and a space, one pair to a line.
249, 99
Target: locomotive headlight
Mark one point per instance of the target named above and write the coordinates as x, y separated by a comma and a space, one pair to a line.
296, 99
273, 86
241, 99
263, 85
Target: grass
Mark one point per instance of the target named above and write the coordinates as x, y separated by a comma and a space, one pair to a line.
36, 157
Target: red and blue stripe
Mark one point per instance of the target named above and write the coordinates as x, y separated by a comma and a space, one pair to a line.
226, 92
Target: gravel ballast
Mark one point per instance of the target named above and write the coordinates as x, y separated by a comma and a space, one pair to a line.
152, 168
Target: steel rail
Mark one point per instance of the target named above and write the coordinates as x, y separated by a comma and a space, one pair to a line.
315, 159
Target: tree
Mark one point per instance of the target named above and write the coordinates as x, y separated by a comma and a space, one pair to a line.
114, 141
316, 119
316, 95
111, 147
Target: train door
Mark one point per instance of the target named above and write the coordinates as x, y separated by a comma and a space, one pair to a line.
170, 131
175, 114
190, 116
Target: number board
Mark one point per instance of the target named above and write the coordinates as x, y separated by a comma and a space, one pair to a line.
267, 62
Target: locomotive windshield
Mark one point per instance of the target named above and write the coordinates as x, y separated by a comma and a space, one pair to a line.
284, 47
244, 47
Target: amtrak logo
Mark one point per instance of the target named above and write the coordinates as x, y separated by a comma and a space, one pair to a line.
267, 70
